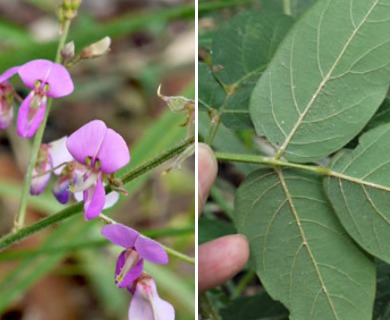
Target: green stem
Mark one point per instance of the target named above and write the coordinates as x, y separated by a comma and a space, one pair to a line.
68, 212
20, 254
210, 6
245, 280
214, 124
287, 7
179, 255
206, 308
272, 162
20, 217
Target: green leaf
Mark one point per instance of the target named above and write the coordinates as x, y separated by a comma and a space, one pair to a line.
211, 94
382, 299
359, 190
259, 307
301, 253
242, 49
326, 80
240, 53
210, 229
225, 140
293, 7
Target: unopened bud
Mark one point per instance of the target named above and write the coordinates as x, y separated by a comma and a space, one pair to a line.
68, 11
96, 49
67, 52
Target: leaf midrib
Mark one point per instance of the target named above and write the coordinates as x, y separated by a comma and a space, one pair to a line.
305, 243
324, 81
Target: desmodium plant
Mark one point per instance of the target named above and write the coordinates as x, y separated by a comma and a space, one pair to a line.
84, 165
307, 98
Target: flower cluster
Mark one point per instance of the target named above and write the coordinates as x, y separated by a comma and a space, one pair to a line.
146, 303
82, 161
82, 164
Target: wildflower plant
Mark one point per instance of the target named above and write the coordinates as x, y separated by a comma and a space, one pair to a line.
295, 97
84, 168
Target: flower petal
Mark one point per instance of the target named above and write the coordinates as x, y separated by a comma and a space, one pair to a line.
111, 199
147, 305
134, 273
86, 141
151, 250
54, 74
38, 184
113, 153
6, 116
61, 190
9, 73
120, 235
59, 154
29, 119
94, 198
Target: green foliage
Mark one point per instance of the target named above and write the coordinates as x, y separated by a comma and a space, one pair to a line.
258, 307
293, 234
318, 234
360, 191
329, 76
237, 64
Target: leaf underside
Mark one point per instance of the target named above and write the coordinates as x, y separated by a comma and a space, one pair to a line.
301, 253
326, 80
362, 205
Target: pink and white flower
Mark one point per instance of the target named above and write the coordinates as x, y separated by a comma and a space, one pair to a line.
102, 151
45, 79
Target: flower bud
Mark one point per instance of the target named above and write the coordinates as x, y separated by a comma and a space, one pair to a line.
67, 52
96, 49
41, 172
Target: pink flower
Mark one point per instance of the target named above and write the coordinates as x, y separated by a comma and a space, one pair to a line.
50, 156
102, 151
137, 248
146, 304
6, 105
46, 79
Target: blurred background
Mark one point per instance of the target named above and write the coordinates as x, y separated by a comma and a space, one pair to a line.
67, 271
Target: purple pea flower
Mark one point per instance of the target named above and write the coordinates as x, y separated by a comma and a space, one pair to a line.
102, 151
46, 79
6, 105
146, 304
51, 156
130, 263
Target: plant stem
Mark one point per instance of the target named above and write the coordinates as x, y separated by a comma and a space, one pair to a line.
287, 7
70, 211
179, 255
272, 162
20, 217
91, 244
206, 308
210, 6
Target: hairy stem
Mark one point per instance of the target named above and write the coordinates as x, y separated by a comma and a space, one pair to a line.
20, 217
70, 211
206, 308
271, 162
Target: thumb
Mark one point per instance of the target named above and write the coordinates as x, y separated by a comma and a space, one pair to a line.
207, 172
